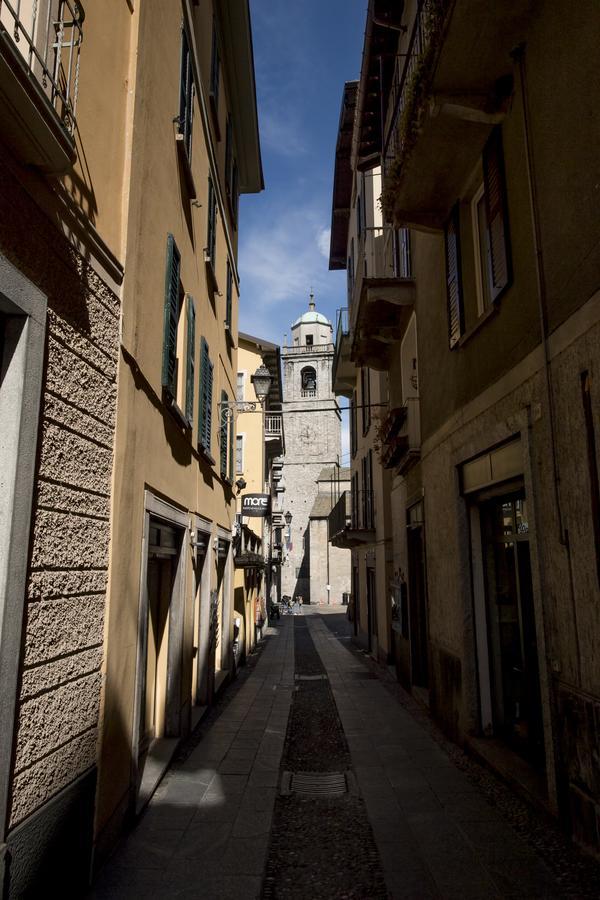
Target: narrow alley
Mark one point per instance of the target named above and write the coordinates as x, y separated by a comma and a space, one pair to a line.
310, 782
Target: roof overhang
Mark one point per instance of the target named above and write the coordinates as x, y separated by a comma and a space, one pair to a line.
236, 30
384, 24
342, 179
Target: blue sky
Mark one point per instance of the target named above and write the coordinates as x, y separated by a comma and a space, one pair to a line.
304, 51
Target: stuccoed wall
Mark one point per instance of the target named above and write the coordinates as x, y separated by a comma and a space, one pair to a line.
60, 690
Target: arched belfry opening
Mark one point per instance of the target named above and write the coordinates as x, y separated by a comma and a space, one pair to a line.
308, 377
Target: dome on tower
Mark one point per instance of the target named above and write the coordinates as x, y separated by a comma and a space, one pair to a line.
312, 316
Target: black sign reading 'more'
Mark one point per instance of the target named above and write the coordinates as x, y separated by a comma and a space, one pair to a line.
255, 505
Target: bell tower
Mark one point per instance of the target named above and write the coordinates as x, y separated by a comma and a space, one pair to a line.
312, 436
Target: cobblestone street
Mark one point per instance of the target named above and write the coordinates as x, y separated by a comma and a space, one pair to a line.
401, 819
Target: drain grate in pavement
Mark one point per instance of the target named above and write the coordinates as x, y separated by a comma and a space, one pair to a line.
314, 784
311, 677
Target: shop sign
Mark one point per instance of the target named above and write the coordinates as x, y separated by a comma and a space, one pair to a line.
256, 505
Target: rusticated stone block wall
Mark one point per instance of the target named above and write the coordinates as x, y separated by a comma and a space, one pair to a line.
57, 712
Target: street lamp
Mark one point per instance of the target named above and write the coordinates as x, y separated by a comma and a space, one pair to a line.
288, 518
261, 380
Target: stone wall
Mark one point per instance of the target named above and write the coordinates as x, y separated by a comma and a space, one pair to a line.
564, 577
327, 562
64, 616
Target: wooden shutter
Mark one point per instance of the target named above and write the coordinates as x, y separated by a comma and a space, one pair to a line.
205, 398
453, 279
497, 214
231, 447
224, 431
212, 222
186, 94
215, 66
171, 317
229, 296
191, 359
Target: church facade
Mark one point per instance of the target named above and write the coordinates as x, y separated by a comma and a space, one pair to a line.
313, 442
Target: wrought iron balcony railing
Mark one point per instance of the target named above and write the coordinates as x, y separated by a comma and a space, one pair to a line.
47, 37
407, 70
273, 425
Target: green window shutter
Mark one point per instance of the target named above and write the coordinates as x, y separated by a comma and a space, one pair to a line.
205, 399
224, 433
231, 446
215, 66
209, 401
186, 93
229, 295
453, 279
497, 214
191, 359
171, 317
211, 236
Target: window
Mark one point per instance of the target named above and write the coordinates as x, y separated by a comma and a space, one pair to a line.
309, 340
453, 279
350, 267
365, 391
353, 440
481, 249
215, 69
239, 454
401, 249
486, 209
211, 235
205, 401
500, 269
179, 338
226, 435
229, 296
239, 393
186, 95
190, 374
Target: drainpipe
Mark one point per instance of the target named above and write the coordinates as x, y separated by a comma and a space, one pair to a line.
563, 532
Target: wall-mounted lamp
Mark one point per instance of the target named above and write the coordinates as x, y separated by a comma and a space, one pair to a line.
261, 380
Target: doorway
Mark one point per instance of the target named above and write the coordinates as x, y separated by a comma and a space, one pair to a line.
512, 643
371, 610
419, 664
157, 715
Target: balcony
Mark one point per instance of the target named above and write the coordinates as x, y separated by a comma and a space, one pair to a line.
274, 433
343, 372
39, 74
401, 437
383, 296
352, 520
452, 84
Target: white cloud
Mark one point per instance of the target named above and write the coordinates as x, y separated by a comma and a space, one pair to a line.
323, 241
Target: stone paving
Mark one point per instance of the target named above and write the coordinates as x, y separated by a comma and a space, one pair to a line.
206, 831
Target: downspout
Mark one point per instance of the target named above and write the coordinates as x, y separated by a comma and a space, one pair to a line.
563, 532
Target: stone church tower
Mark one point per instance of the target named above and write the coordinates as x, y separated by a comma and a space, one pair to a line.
312, 437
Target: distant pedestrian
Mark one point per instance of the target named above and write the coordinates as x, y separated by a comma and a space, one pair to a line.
300, 603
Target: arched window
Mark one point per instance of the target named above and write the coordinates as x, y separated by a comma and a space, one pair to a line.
309, 380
